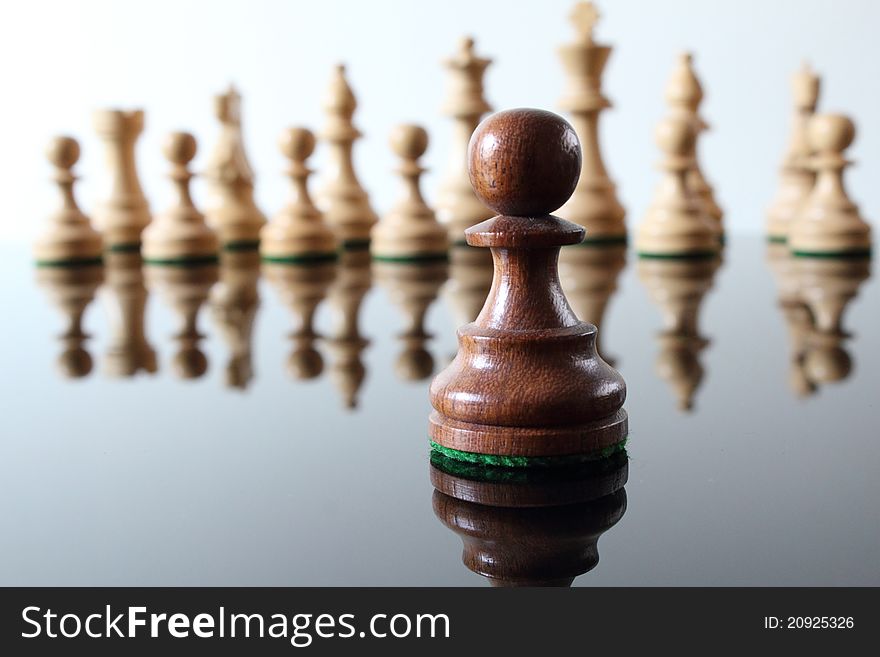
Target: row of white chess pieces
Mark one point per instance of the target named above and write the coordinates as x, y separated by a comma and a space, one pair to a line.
812, 211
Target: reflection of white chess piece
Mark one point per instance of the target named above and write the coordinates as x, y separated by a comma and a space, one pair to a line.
71, 290
345, 203
179, 234
796, 176
828, 222
594, 204
457, 206
409, 231
678, 287
125, 296
124, 213
185, 290
232, 213
413, 287
301, 288
69, 238
234, 304
346, 344
298, 233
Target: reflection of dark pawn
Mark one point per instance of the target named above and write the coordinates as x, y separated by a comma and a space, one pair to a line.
346, 343
69, 238
234, 304
589, 279
71, 290
301, 288
828, 286
413, 288
527, 385
530, 527
678, 288
126, 298
185, 290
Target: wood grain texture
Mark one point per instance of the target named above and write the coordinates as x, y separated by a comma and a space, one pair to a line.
524, 162
527, 380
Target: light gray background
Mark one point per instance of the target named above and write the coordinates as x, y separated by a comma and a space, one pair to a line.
64, 58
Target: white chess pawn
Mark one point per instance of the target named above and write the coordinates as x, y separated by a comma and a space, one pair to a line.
457, 206
796, 176
828, 222
232, 213
298, 232
69, 237
410, 231
676, 224
179, 234
344, 201
684, 94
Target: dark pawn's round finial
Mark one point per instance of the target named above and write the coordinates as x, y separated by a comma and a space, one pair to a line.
524, 162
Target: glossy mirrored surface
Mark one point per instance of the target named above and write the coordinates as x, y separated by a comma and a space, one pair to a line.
255, 424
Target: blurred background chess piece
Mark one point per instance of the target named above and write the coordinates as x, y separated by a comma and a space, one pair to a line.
346, 344
589, 279
185, 289
124, 213
412, 288
684, 95
345, 203
530, 527
71, 289
828, 222
235, 301
678, 288
232, 212
179, 235
69, 237
796, 175
458, 208
125, 296
301, 289
594, 204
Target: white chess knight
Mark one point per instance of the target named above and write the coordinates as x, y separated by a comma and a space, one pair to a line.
828, 222
231, 211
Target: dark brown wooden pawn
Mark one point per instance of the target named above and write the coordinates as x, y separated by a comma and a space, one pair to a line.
530, 531
527, 382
